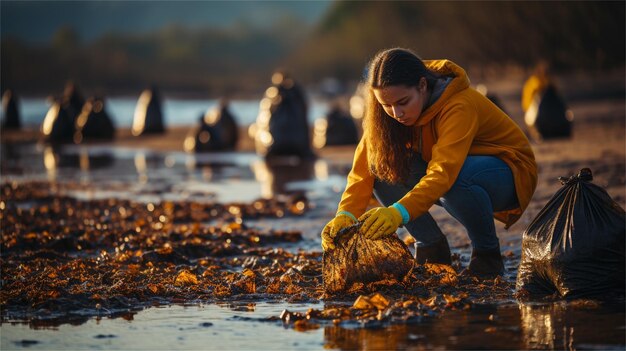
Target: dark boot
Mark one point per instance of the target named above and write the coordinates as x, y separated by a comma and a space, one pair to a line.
438, 252
485, 264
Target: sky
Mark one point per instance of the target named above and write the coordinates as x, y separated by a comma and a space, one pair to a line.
37, 21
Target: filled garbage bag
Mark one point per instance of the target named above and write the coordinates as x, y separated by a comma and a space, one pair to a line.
148, 117
94, 123
204, 138
357, 261
58, 125
11, 111
282, 128
574, 248
216, 131
338, 128
224, 121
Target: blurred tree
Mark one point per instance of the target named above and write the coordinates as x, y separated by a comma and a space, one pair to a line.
573, 35
65, 40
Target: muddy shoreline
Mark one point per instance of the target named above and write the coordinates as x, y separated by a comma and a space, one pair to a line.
67, 260
62, 257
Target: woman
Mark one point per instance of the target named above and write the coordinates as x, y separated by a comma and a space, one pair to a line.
431, 139
545, 113
536, 84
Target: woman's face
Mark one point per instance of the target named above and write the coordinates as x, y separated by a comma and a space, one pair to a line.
402, 103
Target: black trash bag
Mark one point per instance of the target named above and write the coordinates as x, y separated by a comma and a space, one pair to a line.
94, 123
217, 131
225, 121
72, 100
547, 117
58, 124
574, 248
148, 117
204, 137
340, 129
357, 261
282, 127
11, 111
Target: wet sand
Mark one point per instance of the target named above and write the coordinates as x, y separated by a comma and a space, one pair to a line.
598, 142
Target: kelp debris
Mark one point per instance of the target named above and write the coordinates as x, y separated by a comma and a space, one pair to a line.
63, 261
60, 255
374, 311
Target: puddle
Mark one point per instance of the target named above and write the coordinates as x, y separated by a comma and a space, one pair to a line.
245, 326
171, 328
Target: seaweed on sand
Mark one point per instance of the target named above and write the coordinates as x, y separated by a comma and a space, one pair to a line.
63, 260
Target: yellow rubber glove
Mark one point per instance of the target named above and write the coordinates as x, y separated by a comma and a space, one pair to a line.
380, 221
332, 228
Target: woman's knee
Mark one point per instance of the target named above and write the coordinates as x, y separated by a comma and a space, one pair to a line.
464, 194
484, 179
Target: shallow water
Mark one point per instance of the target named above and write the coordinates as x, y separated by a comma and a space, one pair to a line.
175, 111
168, 328
151, 177
245, 326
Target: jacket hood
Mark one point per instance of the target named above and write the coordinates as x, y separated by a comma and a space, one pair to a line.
460, 81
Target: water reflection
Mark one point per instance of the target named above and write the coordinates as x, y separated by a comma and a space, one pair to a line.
232, 176
566, 326
55, 157
538, 324
397, 337
141, 165
276, 174
547, 326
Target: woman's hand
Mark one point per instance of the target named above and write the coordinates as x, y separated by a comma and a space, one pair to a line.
332, 228
379, 222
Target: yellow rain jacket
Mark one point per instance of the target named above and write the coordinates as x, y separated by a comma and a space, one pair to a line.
534, 85
461, 122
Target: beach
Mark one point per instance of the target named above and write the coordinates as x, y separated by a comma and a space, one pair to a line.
151, 176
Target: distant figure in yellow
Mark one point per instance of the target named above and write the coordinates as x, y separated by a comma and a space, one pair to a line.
545, 112
535, 84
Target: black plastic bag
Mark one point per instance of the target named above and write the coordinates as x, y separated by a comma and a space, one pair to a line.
216, 131
358, 262
574, 248
282, 124
94, 123
58, 125
340, 129
148, 118
10, 107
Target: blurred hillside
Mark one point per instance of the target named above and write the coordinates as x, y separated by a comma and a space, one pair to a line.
177, 59
582, 36
239, 58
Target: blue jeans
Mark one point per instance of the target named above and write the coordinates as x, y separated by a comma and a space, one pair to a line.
484, 185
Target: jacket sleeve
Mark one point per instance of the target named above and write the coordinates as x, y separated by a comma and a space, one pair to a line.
456, 127
360, 184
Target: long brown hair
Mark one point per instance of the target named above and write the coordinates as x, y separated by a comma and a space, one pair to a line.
390, 143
